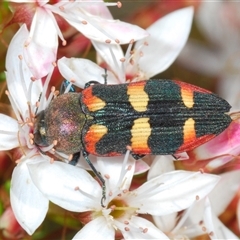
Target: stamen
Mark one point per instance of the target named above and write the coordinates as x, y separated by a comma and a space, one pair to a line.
48, 148
42, 104
69, 86
108, 4
51, 95
90, 196
120, 71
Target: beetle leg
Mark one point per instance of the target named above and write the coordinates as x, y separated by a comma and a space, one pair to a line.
65, 84
75, 159
98, 175
88, 84
175, 157
137, 156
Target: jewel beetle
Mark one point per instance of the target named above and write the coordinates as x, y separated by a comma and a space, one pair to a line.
157, 117
149, 117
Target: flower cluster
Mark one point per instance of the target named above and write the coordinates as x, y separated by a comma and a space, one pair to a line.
150, 198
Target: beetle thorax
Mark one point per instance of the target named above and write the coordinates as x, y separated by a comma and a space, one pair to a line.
64, 121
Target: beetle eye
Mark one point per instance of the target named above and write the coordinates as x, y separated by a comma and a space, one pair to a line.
42, 131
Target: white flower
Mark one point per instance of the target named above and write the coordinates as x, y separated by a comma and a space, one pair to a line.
165, 194
89, 18
150, 56
202, 217
28, 203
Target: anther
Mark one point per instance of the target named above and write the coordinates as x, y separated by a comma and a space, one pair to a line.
64, 42
126, 229
122, 60
126, 222
145, 230
84, 22
77, 188
117, 41
51, 160
53, 89
110, 193
56, 93
33, 79
113, 207
31, 136
20, 57
108, 41
131, 61
204, 229
197, 197
129, 148
211, 234
119, 4
107, 176
129, 167
30, 124
131, 41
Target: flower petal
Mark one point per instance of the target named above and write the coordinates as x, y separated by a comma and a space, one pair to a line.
167, 38
112, 56
40, 53
230, 182
172, 192
166, 223
98, 28
28, 203
140, 228
221, 231
96, 229
70, 187
117, 169
18, 75
81, 71
160, 165
9, 131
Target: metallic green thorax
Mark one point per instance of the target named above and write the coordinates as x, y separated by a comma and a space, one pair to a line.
64, 121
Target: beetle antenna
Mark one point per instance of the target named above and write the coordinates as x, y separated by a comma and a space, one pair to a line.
98, 175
